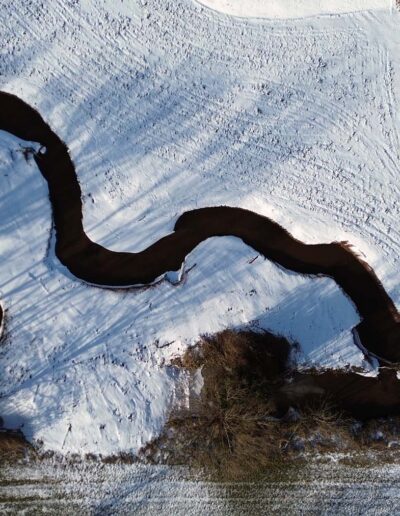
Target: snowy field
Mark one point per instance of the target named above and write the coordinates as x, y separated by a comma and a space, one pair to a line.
316, 489
169, 106
289, 9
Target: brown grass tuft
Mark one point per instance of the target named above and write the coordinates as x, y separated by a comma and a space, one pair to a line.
13, 447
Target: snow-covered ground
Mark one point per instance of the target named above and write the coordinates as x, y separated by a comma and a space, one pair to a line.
168, 106
90, 488
289, 9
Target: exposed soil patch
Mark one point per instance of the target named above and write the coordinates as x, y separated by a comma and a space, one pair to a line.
379, 330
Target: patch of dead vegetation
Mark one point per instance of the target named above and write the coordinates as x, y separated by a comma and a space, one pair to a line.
236, 428
14, 447
233, 429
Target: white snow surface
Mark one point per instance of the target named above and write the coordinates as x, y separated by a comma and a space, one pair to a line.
168, 106
289, 9
332, 484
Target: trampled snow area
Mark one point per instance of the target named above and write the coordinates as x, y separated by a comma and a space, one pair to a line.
285, 9
169, 106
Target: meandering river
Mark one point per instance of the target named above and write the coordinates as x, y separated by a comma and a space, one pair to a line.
378, 332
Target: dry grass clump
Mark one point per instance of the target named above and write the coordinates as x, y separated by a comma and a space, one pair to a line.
378, 434
320, 427
232, 430
13, 447
245, 355
227, 434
